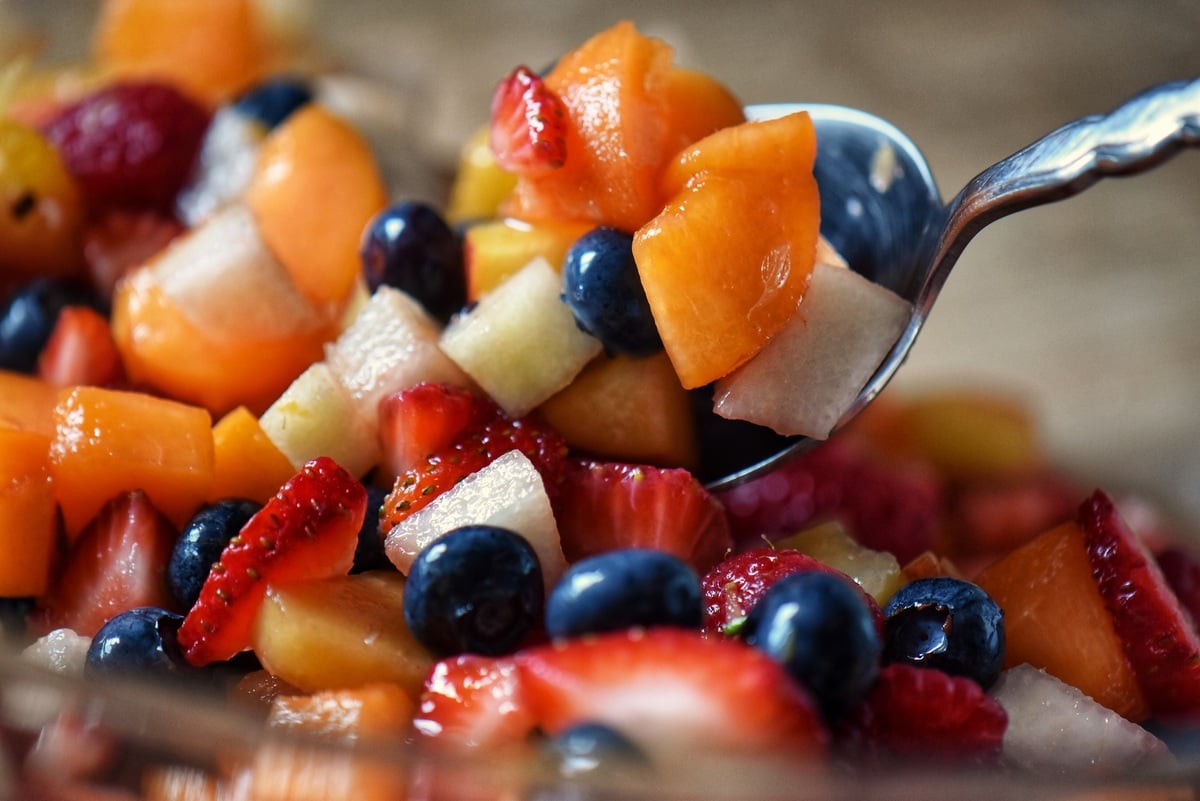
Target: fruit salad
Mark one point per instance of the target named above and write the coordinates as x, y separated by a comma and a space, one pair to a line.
418, 496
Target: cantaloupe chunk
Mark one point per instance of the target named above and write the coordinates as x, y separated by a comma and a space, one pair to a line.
28, 514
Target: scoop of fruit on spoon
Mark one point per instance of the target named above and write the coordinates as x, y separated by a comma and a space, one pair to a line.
881, 209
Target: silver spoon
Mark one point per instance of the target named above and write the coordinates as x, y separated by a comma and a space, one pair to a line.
882, 210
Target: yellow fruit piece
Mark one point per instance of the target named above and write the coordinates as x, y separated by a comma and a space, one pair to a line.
28, 514
315, 188
246, 464
479, 184
627, 408
41, 208
496, 250
877, 572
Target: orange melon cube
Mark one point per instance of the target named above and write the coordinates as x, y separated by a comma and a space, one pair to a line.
372, 710
28, 514
1055, 619
110, 441
696, 105
246, 464
26, 403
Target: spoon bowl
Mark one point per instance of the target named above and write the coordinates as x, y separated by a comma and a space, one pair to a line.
881, 209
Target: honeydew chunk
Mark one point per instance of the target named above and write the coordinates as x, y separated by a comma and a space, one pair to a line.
805, 379
508, 493
1054, 727
316, 416
390, 345
520, 343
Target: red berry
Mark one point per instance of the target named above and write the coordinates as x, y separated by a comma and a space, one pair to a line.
472, 701
130, 144
417, 422
1181, 569
529, 124
80, 351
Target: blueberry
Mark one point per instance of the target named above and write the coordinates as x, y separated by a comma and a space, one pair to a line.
200, 545
603, 290
476, 589
410, 247
369, 553
624, 588
819, 627
591, 749
948, 624
28, 317
142, 641
273, 101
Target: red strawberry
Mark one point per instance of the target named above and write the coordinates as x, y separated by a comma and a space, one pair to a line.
529, 124
417, 422
122, 239
309, 530
733, 587
80, 351
472, 451
606, 506
885, 505
118, 562
673, 689
474, 701
924, 713
130, 144
1160, 642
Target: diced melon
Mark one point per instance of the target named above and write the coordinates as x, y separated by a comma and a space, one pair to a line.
28, 514
877, 572
495, 250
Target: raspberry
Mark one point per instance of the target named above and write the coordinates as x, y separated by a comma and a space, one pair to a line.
130, 144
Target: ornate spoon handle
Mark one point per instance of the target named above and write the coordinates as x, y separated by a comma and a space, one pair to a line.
1139, 135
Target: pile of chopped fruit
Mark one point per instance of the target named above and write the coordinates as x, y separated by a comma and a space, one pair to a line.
434, 478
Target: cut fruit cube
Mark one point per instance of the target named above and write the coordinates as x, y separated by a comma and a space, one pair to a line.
805, 379
495, 250
391, 345
26, 403
110, 441
340, 632
246, 464
877, 572
350, 714
480, 186
28, 514
520, 343
316, 416
508, 493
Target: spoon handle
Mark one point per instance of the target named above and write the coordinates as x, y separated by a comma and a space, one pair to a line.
1139, 135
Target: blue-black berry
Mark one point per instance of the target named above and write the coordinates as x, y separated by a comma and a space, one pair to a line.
273, 101
28, 316
602, 288
200, 545
410, 247
139, 642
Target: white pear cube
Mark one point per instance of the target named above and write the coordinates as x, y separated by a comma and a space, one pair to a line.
508, 492
1054, 727
807, 376
390, 345
315, 416
520, 343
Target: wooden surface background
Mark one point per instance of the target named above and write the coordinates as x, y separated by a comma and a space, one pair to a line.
1088, 309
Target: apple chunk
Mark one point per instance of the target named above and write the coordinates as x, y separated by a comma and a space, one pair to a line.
808, 375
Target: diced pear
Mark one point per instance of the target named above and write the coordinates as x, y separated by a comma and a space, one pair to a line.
877, 572
315, 416
520, 342
340, 632
508, 492
805, 379
391, 345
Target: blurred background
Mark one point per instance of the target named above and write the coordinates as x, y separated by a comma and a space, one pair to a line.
1087, 309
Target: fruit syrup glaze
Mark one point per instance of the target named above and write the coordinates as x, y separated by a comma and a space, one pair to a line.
380, 472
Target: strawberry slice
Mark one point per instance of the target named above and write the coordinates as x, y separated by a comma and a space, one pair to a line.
472, 701
417, 422
471, 451
80, 351
529, 124
733, 587
1159, 639
926, 714
118, 562
606, 506
673, 691
309, 530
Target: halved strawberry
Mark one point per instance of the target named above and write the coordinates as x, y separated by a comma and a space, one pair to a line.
673, 691
472, 701
1159, 639
926, 714
733, 587
529, 124
309, 530
605, 506
417, 422
886, 505
471, 451
80, 351
118, 562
